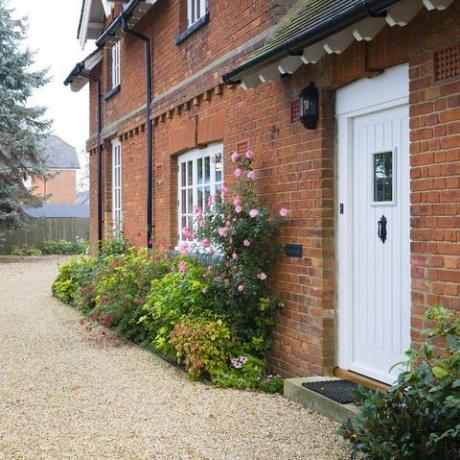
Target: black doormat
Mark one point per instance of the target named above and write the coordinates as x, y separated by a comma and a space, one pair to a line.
341, 391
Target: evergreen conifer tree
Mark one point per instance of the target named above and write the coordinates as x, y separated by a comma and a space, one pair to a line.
21, 126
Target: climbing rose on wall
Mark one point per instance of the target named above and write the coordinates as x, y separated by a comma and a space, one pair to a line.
243, 232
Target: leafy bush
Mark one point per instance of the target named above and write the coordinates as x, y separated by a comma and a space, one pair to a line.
66, 283
121, 288
75, 282
64, 247
113, 245
183, 291
419, 418
244, 372
26, 250
202, 344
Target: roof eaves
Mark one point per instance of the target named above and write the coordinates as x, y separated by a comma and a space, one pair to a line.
295, 43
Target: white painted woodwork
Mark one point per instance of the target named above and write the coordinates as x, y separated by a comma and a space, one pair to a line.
250, 81
368, 28
313, 53
269, 73
437, 4
117, 208
200, 174
289, 64
402, 13
374, 277
339, 42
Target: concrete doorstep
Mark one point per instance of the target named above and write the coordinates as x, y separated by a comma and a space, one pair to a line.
294, 391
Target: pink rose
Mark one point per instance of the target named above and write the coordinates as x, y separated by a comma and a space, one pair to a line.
237, 200
234, 256
252, 175
249, 154
283, 212
205, 243
238, 172
246, 243
241, 288
262, 276
183, 248
211, 199
187, 233
253, 213
182, 266
238, 209
223, 231
197, 211
235, 157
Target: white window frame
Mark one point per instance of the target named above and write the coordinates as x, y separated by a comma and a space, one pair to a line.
116, 65
196, 9
184, 161
117, 202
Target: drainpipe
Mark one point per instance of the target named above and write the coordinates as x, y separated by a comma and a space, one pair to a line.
148, 117
99, 150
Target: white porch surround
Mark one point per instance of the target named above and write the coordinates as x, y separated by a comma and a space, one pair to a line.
373, 276
398, 15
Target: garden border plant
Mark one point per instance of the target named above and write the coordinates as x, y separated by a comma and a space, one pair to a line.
419, 417
213, 318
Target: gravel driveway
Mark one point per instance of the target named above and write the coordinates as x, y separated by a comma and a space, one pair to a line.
67, 392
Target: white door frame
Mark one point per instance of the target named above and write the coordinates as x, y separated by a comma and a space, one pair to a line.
389, 90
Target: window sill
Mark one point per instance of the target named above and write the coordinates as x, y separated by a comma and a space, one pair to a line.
112, 92
192, 29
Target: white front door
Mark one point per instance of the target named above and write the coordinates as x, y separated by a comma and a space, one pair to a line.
374, 229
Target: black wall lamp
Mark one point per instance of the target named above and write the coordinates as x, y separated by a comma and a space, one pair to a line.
309, 106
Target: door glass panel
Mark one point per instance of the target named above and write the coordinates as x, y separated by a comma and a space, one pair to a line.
182, 174
383, 176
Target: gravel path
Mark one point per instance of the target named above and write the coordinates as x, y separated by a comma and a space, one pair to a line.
67, 392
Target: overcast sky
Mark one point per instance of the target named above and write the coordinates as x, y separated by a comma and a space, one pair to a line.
53, 35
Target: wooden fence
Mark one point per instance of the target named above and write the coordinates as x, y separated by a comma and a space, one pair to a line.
41, 229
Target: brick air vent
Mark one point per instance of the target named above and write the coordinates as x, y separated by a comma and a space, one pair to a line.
295, 111
447, 63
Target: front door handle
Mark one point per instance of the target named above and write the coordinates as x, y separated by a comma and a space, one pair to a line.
382, 229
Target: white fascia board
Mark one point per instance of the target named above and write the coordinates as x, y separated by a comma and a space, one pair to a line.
93, 60
92, 19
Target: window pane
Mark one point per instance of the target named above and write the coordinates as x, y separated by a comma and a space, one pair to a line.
200, 170
200, 198
190, 173
207, 169
182, 174
383, 176
184, 202
219, 168
189, 200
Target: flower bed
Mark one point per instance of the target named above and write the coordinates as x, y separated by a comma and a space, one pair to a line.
214, 319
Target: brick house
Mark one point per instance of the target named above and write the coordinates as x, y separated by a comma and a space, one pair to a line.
367, 161
63, 164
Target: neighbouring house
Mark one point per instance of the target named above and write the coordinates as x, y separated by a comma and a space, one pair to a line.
353, 111
63, 164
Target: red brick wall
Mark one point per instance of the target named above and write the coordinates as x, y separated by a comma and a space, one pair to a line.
296, 167
62, 187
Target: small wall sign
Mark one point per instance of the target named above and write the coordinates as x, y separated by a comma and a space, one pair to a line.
294, 250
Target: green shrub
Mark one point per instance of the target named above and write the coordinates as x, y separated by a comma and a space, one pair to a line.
244, 372
113, 245
183, 291
26, 250
65, 285
121, 288
202, 344
64, 247
419, 417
